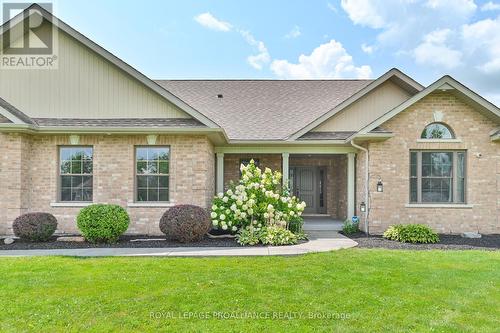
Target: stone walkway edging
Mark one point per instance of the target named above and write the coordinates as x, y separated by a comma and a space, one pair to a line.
318, 242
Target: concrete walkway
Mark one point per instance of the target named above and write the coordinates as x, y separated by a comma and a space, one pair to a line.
321, 223
319, 241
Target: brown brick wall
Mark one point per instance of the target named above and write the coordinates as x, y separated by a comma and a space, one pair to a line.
29, 172
390, 161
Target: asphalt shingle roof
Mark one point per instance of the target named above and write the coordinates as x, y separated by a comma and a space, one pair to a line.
263, 109
120, 122
341, 135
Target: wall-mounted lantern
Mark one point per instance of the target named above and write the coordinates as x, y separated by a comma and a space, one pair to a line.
380, 186
362, 207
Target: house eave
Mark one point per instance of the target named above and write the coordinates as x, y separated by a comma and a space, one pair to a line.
291, 149
360, 137
286, 143
24, 128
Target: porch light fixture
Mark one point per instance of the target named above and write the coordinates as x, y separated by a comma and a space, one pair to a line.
362, 207
380, 186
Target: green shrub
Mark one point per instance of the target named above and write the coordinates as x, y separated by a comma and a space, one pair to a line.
249, 236
273, 235
101, 223
296, 225
278, 236
411, 233
392, 233
185, 223
350, 227
35, 227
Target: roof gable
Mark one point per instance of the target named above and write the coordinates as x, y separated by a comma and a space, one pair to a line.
446, 83
115, 61
366, 109
394, 74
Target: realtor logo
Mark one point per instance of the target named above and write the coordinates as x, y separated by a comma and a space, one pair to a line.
28, 37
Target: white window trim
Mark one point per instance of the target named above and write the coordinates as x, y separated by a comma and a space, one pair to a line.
138, 203
60, 202
439, 140
160, 204
454, 178
425, 205
71, 204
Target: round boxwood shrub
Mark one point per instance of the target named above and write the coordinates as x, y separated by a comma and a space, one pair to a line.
101, 223
35, 227
411, 233
185, 223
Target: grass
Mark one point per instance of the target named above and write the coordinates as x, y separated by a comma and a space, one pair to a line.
348, 291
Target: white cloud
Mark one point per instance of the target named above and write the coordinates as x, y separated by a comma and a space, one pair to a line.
402, 23
434, 51
368, 49
263, 57
364, 12
463, 7
332, 7
211, 22
329, 60
490, 6
258, 60
294, 33
441, 36
482, 42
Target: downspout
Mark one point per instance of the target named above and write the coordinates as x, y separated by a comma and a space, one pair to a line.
367, 183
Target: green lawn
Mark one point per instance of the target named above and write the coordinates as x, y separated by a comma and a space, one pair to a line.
349, 290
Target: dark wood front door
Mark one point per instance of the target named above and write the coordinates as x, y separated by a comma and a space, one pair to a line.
306, 187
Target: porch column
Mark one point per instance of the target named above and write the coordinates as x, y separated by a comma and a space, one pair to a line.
285, 166
350, 184
220, 173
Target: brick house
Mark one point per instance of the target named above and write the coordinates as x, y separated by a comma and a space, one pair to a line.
388, 150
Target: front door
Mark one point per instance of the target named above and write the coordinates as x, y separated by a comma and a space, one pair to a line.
306, 187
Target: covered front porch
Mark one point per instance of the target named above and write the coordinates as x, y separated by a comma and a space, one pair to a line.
323, 177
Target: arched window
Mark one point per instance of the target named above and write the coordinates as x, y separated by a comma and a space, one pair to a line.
437, 131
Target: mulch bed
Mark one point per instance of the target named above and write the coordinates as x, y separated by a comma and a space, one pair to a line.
125, 241
446, 242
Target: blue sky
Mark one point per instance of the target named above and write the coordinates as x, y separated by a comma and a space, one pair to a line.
299, 39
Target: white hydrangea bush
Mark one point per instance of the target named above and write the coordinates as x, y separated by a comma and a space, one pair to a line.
257, 201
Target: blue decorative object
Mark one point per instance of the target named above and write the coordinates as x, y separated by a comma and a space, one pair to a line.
355, 219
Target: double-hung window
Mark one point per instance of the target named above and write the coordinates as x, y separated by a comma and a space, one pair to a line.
152, 173
437, 176
75, 173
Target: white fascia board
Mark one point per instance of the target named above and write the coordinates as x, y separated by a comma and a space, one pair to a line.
10, 116
10, 127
